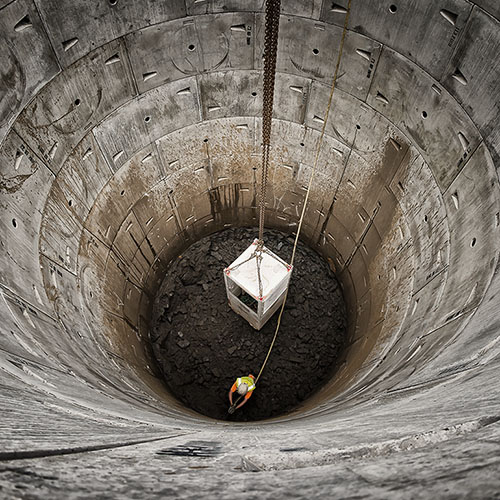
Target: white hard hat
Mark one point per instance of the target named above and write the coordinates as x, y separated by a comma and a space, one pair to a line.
242, 388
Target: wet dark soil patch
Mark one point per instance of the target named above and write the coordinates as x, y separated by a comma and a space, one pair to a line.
202, 346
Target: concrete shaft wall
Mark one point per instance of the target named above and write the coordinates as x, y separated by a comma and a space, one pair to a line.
129, 130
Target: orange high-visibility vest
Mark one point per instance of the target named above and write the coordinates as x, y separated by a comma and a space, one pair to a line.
244, 380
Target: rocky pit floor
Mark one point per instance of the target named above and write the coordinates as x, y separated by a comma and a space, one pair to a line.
202, 346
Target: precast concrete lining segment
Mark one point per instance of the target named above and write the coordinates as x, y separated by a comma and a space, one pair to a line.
189, 459
68, 21
28, 62
479, 96
414, 28
409, 103
122, 59
116, 163
232, 174
24, 190
61, 114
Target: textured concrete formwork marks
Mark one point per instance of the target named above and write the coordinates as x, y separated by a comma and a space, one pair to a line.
129, 130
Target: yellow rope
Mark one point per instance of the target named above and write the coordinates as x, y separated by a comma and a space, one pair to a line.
316, 158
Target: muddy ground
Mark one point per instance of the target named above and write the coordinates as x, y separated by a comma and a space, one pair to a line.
202, 346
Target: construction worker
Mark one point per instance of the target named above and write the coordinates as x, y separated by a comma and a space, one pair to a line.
245, 386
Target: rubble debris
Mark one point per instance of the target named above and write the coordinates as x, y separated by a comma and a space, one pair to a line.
201, 345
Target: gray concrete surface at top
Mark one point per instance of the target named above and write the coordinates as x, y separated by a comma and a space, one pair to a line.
129, 130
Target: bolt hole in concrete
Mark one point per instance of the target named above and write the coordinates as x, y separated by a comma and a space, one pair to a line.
77, 102
201, 345
122, 192
147, 119
315, 52
14, 222
191, 47
424, 114
392, 9
254, 94
473, 242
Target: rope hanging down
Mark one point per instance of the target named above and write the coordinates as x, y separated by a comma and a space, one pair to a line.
273, 8
316, 158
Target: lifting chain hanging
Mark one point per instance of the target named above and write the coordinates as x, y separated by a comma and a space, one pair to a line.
273, 8
316, 159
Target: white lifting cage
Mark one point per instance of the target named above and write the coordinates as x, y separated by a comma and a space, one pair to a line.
256, 283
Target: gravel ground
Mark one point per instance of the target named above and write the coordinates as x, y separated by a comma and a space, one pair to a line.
201, 345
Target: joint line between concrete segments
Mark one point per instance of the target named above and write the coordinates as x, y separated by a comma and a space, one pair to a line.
344, 168
59, 265
29, 361
160, 162
11, 292
128, 65
389, 181
299, 460
445, 268
382, 48
449, 66
128, 276
51, 43
106, 160
198, 98
22, 455
445, 322
122, 317
431, 384
464, 165
6, 5
362, 237
254, 38
307, 104
41, 160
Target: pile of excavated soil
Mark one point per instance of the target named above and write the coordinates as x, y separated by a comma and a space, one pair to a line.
202, 346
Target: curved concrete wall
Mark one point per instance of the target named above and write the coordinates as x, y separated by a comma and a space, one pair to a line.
130, 130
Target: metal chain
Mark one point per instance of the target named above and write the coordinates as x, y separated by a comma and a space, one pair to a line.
241, 263
316, 159
258, 258
273, 8
257, 255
